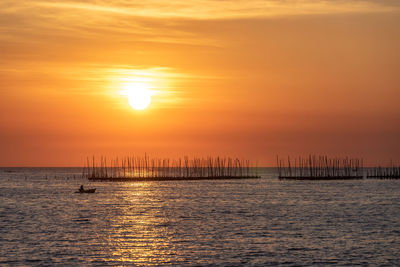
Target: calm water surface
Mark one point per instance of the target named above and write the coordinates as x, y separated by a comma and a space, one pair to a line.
255, 222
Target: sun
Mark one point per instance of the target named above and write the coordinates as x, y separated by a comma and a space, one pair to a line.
139, 95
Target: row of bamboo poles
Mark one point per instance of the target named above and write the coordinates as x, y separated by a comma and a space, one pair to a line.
143, 167
391, 172
320, 168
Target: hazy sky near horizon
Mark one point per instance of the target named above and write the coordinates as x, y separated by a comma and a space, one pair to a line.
243, 78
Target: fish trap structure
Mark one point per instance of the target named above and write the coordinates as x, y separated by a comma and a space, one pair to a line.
320, 168
156, 169
391, 172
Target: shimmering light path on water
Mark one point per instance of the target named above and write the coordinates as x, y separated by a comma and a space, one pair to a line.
230, 222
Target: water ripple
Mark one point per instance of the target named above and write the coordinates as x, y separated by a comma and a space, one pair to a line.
264, 222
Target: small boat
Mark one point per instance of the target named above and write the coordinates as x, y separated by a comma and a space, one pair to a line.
86, 191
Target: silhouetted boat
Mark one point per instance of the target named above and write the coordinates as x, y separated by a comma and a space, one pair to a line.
86, 191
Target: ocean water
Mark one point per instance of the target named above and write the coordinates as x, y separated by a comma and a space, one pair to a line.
256, 222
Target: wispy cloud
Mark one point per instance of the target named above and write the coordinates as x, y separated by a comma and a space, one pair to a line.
155, 20
211, 9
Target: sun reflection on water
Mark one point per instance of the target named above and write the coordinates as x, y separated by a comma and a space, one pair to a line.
139, 234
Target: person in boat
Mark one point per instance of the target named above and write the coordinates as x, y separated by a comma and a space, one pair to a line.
81, 189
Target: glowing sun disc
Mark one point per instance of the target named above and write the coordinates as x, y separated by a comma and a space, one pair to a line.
139, 97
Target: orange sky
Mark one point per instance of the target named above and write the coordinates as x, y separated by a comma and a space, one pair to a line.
243, 78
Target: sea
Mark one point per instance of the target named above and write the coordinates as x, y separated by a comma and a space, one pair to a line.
252, 222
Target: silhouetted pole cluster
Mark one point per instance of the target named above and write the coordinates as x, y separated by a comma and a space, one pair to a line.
320, 167
147, 167
391, 172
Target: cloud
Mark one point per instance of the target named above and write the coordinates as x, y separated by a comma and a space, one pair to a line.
211, 9
154, 20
